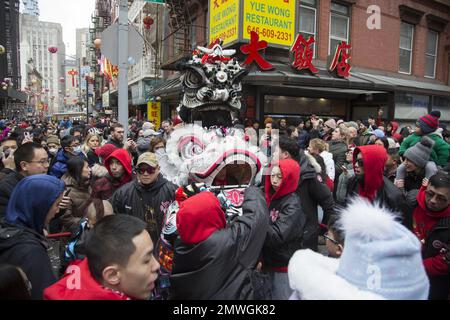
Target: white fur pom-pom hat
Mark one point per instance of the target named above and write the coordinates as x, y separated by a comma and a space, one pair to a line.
381, 260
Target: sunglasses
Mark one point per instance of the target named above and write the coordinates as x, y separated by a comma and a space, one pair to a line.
149, 170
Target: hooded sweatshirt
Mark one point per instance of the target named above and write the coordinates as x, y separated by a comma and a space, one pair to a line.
90, 289
124, 157
374, 158
21, 236
199, 217
424, 222
103, 188
394, 134
290, 170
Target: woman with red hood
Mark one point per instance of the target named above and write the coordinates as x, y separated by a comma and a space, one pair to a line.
287, 220
370, 183
118, 164
391, 131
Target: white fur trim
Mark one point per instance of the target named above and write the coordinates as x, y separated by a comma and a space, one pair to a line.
313, 277
368, 221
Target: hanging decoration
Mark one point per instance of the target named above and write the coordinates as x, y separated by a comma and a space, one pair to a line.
148, 21
97, 43
2, 50
52, 49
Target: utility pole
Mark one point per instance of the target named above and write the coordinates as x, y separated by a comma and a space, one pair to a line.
123, 66
87, 99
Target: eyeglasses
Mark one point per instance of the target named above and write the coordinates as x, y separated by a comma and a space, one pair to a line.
42, 162
430, 194
149, 170
360, 163
326, 236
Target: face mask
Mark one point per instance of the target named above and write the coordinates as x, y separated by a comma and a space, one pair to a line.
160, 152
77, 150
53, 151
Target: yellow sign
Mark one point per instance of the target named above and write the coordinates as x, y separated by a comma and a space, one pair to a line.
273, 20
223, 20
154, 113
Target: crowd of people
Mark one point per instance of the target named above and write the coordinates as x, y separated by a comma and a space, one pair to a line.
349, 210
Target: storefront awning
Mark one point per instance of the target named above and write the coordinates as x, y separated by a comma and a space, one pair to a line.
358, 82
14, 94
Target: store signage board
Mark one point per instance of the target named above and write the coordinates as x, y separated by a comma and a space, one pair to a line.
273, 20
223, 20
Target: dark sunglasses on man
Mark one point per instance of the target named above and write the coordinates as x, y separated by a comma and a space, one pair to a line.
142, 170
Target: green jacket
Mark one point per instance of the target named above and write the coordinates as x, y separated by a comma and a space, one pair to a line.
440, 151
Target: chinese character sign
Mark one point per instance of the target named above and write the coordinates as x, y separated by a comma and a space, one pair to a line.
274, 21
223, 20
252, 49
154, 113
303, 54
340, 60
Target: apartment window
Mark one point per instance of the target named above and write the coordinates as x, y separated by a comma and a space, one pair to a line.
406, 46
308, 15
430, 54
339, 26
193, 33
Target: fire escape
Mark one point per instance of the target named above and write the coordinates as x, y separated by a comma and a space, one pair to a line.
176, 43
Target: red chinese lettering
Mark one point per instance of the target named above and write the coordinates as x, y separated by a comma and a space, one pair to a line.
303, 54
340, 60
252, 50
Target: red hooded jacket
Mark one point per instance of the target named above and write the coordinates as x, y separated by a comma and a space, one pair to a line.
199, 217
124, 157
374, 158
84, 287
424, 222
397, 136
290, 170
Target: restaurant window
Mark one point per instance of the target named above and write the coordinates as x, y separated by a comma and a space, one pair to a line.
430, 54
410, 106
339, 26
308, 16
406, 47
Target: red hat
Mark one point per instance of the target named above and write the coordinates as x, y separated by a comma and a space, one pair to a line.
199, 217
430, 122
105, 151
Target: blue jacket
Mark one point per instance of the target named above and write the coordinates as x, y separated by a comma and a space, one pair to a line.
59, 167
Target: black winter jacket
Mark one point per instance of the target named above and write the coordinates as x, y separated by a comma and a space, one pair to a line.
7, 186
388, 196
221, 266
313, 193
149, 204
285, 234
27, 249
440, 234
338, 149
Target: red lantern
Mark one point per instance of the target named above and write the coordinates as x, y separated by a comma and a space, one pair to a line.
148, 21
52, 49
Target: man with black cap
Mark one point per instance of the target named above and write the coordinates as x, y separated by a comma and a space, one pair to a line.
364, 133
426, 126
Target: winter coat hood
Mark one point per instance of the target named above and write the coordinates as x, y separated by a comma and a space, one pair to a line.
394, 132
124, 158
199, 217
290, 170
31, 200
374, 158
90, 289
